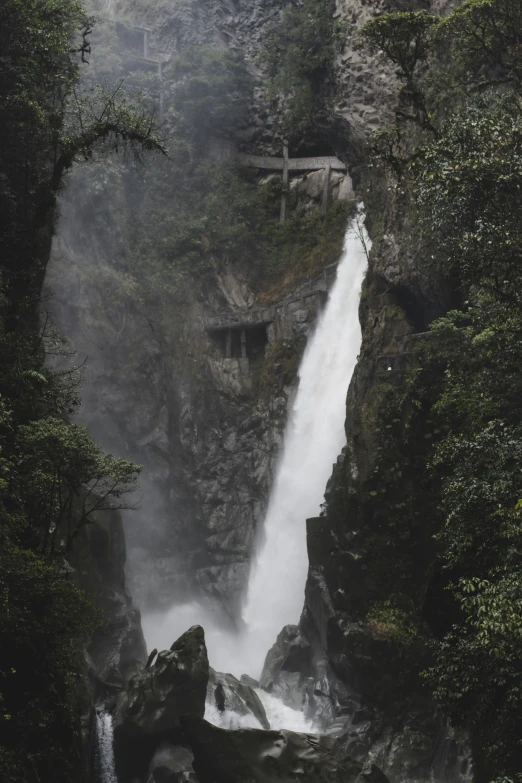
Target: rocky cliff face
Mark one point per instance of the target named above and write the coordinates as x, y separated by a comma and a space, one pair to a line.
161, 385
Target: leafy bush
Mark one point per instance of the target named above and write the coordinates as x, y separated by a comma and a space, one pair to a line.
211, 92
298, 53
44, 620
45, 463
460, 177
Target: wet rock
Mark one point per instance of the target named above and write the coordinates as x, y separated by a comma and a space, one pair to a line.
372, 775
116, 651
236, 701
246, 680
174, 685
287, 667
149, 711
253, 756
172, 764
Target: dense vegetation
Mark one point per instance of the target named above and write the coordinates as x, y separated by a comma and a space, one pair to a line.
52, 476
453, 160
299, 54
193, 212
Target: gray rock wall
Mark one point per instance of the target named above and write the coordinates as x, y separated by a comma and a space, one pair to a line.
158, 387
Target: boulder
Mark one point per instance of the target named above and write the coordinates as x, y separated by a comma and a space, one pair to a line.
256, 756
172, 764
234, 704
149, 711
245, 679
287, 668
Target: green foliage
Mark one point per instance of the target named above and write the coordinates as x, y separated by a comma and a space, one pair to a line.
198, 214
36, 74
485, 38
406, 39
211, 92
477, 670
46, 465
477, 677
45, 124
462, 184
66, 479
299, 52
300, 248
469, 183
393, 623
43, 621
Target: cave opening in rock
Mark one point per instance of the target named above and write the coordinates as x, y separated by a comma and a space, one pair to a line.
317, 150
241, 342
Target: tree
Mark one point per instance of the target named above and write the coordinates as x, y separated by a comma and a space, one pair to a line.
462, 189
406, 39
298, 53
66, 479
52, 476
486, 40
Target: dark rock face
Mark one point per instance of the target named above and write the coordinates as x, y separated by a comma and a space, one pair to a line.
288, 667
117, 650
173, 764
251, 756
176, 684
239, 698
149, 711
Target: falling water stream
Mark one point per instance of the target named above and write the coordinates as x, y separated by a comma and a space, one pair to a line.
314, 438
104, 753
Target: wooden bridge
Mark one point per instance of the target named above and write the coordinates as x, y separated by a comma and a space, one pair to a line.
287, 164
136, 40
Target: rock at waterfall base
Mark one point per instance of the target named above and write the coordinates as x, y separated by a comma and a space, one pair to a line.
149, 711
257, 756
236, 698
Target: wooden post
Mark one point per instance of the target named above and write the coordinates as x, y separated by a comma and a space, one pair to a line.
160, 81
326, 189
243, 344
284, 191
228, 347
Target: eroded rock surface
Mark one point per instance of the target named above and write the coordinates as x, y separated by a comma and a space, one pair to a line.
235, 701
148, 713
252, 756
172, 764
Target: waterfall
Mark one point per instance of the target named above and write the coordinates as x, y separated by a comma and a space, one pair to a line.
104, 759
314, 438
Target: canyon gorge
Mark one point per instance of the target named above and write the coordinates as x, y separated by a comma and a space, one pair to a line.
267, 281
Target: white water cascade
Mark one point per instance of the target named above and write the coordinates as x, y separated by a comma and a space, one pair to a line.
314, 438
105, 769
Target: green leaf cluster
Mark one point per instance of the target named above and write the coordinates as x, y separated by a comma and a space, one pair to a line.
52, 476
459, 178
299, 53
210, 93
